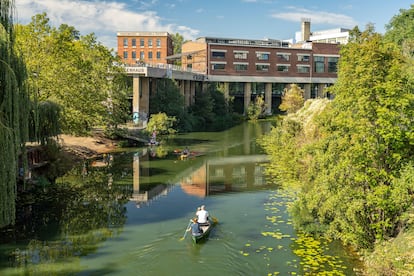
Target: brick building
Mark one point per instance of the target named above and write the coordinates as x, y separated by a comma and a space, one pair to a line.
145, 47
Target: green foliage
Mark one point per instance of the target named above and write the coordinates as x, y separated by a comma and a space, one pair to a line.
256, 109
168, 99
178, 41
348, 159
44, 122
161, 123
70, 70
211, 111
292, 99
14, 113
401, 27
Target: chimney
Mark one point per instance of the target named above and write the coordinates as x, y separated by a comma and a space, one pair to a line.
306, 29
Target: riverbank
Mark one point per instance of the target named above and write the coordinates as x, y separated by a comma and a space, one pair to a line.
75, 149
87, 146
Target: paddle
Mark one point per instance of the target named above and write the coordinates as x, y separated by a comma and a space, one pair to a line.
185, 233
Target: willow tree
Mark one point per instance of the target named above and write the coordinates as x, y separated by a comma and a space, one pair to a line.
14, 103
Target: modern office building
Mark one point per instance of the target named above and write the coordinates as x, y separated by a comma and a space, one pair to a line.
248, 67
145, 47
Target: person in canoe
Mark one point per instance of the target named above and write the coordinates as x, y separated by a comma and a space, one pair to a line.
202, 216
195, 228
185, 153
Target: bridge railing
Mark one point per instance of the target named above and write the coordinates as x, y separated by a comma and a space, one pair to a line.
162, 66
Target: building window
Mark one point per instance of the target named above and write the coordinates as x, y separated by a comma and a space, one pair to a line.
125, 42
150, 55
141, 55
158, 55
278, 88
314, 91
319, 64
283, 56
218, 66
240, 55
332, 64
258, 87
236, 88
304, 58
282, 68
217, 54
262, 56
262, 67
158, 42
150, 42
303, 69
134, 54
240, 67
134, 42
141, 42
125, 54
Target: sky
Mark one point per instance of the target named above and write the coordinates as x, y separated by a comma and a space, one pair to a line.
245, 19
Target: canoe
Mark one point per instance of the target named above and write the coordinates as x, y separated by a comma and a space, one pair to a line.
183, 156
206, 232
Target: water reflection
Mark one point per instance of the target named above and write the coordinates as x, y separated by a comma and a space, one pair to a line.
226, 174
211, 176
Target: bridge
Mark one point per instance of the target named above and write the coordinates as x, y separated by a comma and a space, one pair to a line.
145, 78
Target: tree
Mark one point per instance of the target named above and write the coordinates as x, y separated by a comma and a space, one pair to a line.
168, 99
256, 109
366, 142
292, 99
70, 70
400, 29
14, 113
161, 124
178, 41
349, 166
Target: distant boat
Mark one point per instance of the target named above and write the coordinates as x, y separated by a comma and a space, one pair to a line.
183, 155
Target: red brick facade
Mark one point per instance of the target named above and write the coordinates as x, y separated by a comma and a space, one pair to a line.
145, 47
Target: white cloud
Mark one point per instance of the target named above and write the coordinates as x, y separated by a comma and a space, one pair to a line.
317, 17
103, 18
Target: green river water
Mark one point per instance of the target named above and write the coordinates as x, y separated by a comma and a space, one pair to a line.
126, 214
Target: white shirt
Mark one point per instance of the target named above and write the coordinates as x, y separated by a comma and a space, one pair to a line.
202, 216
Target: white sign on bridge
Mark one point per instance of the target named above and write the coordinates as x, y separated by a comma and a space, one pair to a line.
136, 70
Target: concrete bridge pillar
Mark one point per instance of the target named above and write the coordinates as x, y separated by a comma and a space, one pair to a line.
247, 95
226, 90
145, 94
187, 92
268, 98
192, 92
307, 91
140, 97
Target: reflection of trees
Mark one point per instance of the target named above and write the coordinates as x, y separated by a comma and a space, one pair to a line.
87, 210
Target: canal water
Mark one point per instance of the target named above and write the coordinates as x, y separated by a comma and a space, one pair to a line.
126, 214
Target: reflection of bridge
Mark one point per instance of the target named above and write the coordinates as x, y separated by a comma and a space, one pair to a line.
147, 196
226, 174
144, 197
212, 176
